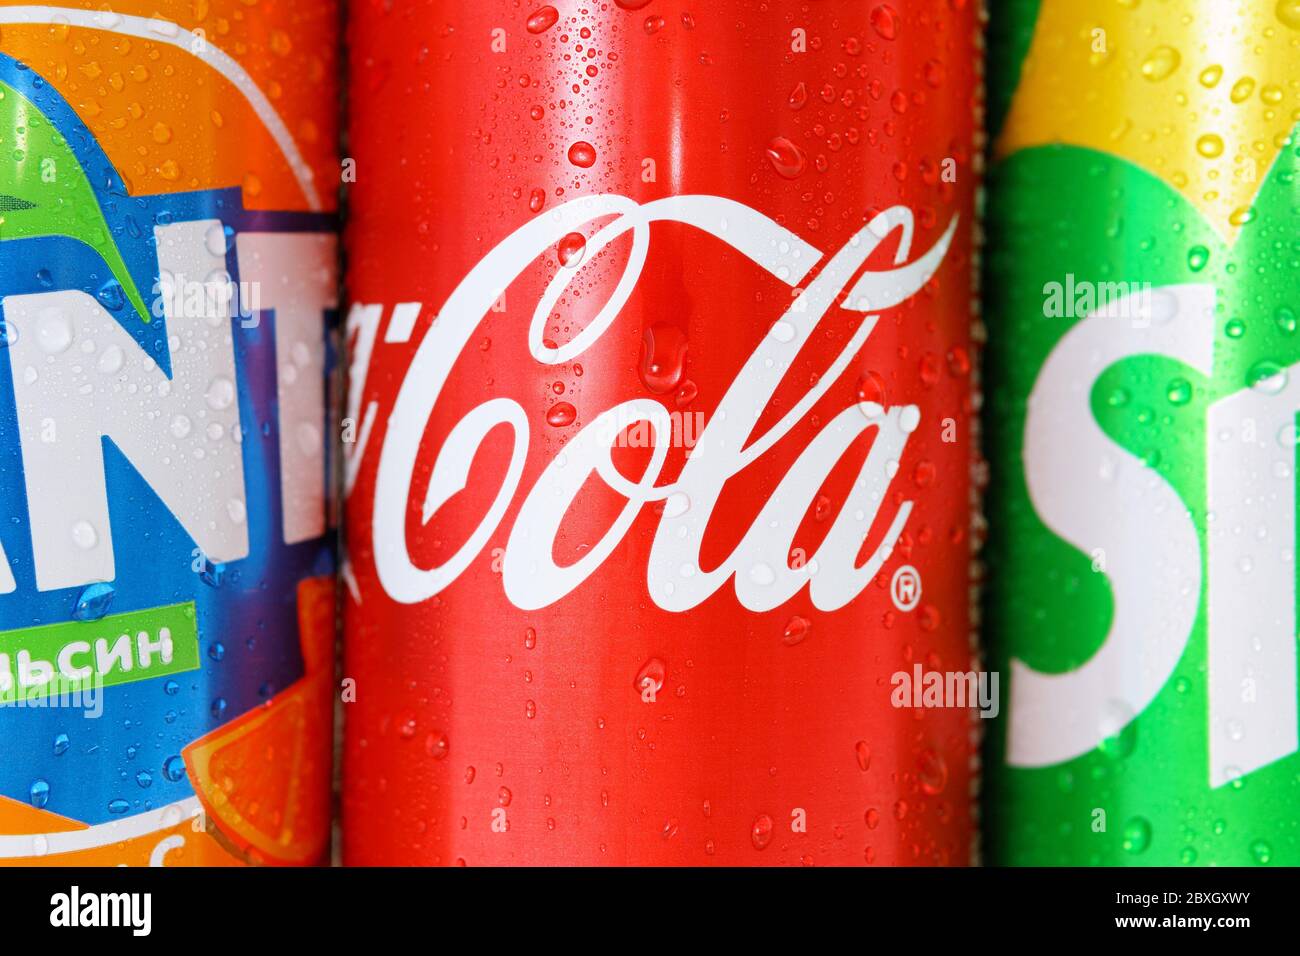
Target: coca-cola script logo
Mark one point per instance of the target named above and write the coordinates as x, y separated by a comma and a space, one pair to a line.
676, 582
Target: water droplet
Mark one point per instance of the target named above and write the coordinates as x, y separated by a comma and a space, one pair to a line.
144, 779
632, 4
799, 96
1210, 76
406, 726
761, 831
1197, 257
862, 752
61, 744
1179, 391
561, 414
435, 745
571, 249
1136, 835
928, 368
118, 806
1288, 11
1267, 377
53, 331
1261, 851
663, 357
786, 158
677, 504
1210, 145
796, 629
909, 418
542, 19
217, 239
1119, 745
872, 397
93, 602
958, 361
110, 360
173, 768
1160, 63
884, 20
39, 793
932, 773
84, 535
112, 295
651, 676
582, 154
221, 393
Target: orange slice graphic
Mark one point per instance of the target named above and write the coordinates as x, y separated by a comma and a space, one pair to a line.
264, 778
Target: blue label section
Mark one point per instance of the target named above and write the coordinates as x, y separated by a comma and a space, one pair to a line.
97, 767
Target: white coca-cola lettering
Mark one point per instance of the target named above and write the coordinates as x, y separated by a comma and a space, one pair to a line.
676, 582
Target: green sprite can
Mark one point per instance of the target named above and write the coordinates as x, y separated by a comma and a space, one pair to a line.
1143, 382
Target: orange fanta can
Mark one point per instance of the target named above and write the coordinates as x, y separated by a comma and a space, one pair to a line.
168, 290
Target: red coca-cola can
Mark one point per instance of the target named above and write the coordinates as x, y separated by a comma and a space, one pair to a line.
660, 433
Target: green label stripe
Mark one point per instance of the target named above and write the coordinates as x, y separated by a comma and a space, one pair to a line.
1143, 795
75, 656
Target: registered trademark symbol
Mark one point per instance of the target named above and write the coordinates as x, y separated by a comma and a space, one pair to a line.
905, 588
